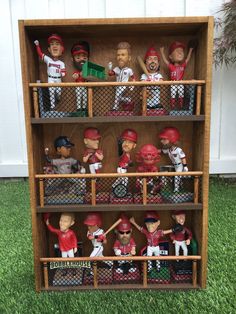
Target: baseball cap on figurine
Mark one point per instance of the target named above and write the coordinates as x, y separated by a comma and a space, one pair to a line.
93, 219
55, 37
92, 134
151, 52
80, 47
124, 225
63, 141
129, 135
175, 45
151, 216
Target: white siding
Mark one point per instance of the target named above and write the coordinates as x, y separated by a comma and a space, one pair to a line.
13, 158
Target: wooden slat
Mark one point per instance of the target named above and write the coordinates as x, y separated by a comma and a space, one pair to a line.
95, 275
144, 191
45, 272
194, 278
41, 192
93, 192
107, 84
36, 104
117, 175
196, 190
145, 274
144, 101
90, 102
198, 100
118, 258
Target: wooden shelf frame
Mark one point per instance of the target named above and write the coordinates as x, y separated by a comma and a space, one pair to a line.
142, 259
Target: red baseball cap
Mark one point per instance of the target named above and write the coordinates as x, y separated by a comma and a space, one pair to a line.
175, 45
179, 212
80, 47
130, 135
55, 37
151, 216
151, 52
124, 225
92, 134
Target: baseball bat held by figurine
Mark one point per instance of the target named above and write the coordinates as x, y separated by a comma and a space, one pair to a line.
142, 65
113, 226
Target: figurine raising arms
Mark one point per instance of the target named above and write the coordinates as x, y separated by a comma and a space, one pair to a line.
123, 74
169, 137
176, 66
153, 235
80, 54
55, 67
152, 59
183, 237
66, 236
92, 154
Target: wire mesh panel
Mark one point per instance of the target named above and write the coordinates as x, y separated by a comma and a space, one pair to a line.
100, 273
60, 191
127, 272
117, 101
177, 189
181, 271
59, 102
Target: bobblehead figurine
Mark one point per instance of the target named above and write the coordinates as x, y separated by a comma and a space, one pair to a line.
169, 137
92, 154
153, 235
148, 156
124, 246
152, 59
94, 221
183, 237
80, 54
176, 66
66, 237
123, 74
128, 140
55, 67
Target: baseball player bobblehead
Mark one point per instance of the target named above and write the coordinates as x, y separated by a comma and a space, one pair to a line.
55, 67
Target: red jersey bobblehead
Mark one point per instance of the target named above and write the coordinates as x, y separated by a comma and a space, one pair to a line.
182, 238
152, 59
66, 236
147, 156
153, 235
123, 74
169, 137
128, 140
55, 67
80, 54
92, 154
176, 66
124, 246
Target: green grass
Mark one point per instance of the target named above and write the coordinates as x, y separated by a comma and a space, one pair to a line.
17, 294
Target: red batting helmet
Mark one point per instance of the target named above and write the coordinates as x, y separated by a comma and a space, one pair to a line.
171, 134
93, 219
151, 216
175, 45
124, 225
92, 134
130, 135
55, 37
151, 52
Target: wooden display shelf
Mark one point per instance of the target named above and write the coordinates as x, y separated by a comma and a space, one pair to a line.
118, 119
109, 208
194, 126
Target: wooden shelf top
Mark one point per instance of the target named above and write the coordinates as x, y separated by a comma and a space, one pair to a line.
120, 207
118, 119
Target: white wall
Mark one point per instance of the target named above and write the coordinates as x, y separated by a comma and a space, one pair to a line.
13, 158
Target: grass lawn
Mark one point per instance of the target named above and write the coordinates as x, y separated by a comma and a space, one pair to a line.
17, 294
